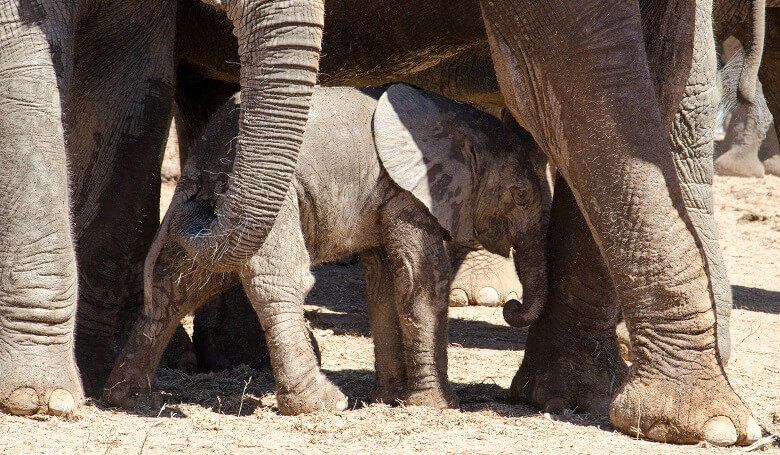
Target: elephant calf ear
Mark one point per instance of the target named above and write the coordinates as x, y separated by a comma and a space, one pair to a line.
421, 143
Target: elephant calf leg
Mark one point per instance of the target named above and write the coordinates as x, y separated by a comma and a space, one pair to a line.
175, 291
389, 366
421, 277
276, 280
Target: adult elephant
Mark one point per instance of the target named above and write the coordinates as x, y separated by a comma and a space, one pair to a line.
85, 104
603, 89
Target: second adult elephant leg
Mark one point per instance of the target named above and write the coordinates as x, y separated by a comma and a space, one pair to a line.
737, 153
769, 73
609, 139
123, 89
572, 359
689, 121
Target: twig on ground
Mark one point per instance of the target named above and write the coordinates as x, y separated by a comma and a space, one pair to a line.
243, 394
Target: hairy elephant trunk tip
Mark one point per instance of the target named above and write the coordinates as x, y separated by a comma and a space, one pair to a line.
532, 270
279, 46
753, 51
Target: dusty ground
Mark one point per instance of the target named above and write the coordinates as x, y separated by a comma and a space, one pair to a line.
234, 412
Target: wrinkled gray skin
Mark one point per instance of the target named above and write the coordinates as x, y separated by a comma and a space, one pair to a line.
391, 179
744, 152
618, 94
75, 69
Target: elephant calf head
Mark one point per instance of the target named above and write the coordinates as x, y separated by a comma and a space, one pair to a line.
474, 176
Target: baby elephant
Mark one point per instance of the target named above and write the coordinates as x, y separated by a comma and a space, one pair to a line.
391, 178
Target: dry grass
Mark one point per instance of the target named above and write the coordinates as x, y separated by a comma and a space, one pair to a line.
203, 411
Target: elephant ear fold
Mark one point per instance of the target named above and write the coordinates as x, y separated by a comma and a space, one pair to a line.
422, 143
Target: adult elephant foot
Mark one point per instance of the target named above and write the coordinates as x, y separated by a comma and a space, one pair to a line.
772, 165
702, 408
740, 164
564, 372
314, 394
41, 383
482, 278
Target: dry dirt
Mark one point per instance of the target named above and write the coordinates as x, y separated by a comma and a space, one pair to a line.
234, 412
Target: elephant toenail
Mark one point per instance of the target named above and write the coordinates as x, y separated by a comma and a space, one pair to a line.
23, 401
61, 403
488, 297
341, 405
753, 431
658, 432
458, 297
720, 431
556, 405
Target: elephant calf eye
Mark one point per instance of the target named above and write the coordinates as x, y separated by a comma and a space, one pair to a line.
519, 195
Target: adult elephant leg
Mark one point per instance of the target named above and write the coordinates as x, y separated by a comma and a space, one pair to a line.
564, 368
227, 333
38, 278
197, 98
689, 122
123, 89
769, 73
608, 140
737, 153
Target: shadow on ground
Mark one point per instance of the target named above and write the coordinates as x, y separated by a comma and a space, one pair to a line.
756, 299
340, 289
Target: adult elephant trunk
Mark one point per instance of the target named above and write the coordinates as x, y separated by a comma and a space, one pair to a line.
279, 46
531, 263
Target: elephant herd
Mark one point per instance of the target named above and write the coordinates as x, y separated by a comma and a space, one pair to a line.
620, 97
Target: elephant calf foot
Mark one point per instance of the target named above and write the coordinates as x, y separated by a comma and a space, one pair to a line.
439, 398
319, 394
664, 409
483, 278
565, 373
624, 340
772, 165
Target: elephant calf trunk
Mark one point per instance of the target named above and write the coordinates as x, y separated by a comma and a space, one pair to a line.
532, 270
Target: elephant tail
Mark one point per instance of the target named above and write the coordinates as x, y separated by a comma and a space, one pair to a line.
731, 77
753, 51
